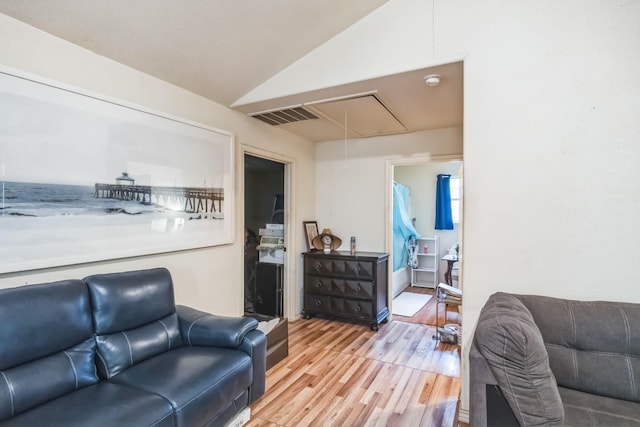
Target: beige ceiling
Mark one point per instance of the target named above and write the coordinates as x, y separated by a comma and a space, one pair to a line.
222, 49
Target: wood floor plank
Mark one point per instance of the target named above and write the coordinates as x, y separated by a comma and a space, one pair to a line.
259, 422
392, 397
427, 314
363, 377
341, 374
318, 409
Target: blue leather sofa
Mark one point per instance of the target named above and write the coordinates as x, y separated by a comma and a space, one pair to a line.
115, 350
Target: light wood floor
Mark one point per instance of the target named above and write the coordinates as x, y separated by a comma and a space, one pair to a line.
427, 315
342, 374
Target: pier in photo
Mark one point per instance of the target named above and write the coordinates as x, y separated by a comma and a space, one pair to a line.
190, 199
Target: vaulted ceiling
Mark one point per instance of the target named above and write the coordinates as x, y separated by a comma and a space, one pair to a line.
223, 49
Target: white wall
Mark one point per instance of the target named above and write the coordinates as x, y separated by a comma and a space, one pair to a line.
559, 99
210, 278
421, 179
350, 193
551, 151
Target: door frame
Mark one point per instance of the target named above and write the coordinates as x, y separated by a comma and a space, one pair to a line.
288, 278
390, 166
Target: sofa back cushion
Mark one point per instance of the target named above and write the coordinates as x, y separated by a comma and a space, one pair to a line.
46, 344
134, 314
593, 346
512, 345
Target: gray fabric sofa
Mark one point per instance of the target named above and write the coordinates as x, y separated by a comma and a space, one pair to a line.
542, 361
115, 350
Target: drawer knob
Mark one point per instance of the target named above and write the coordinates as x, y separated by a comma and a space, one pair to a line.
357, 308
358, 268
318, 284
318, 302
358, 289
319, 265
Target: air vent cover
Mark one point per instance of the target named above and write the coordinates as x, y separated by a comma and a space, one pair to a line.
284, 116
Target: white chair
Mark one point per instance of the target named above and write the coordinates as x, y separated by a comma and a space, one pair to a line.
447, 295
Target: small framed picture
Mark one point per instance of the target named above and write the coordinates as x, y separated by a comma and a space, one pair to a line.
311, 231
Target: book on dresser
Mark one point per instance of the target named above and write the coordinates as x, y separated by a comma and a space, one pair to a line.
345, 286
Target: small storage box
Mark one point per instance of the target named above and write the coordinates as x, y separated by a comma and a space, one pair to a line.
277, 339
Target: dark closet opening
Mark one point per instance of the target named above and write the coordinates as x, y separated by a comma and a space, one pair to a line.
264, 236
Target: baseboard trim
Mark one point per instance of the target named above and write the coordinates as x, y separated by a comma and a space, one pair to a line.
463, 416
240, 419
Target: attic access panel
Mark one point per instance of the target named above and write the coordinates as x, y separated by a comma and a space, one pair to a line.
365, 115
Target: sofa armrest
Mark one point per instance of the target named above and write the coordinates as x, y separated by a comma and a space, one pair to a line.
254, 344
240, 333
480, 376
200, 328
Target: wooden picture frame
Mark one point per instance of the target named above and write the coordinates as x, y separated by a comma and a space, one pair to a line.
85, 178
310, 231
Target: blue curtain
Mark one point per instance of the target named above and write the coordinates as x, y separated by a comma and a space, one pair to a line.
444, 220
403, 228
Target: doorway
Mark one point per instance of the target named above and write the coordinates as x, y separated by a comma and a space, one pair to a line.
418, 178
264, 225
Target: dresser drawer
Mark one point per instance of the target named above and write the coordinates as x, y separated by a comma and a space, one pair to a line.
352, 308
317, 303
339, 287
318, 284
353, 289
339, 267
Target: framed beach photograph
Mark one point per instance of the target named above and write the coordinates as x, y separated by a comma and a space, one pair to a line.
87, 178
311, 231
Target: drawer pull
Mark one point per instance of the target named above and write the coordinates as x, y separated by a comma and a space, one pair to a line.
358, 268
318, 302
319, 285
319, 265
357, 308
358, 289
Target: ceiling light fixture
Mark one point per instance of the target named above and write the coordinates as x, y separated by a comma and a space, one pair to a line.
432, 80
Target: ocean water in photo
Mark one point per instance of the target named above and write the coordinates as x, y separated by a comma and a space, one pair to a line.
43, 225
23, 199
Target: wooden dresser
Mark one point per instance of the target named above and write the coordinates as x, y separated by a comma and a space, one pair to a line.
347, 287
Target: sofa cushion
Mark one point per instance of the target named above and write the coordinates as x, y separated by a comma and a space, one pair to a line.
121, 350
134, 317
199, 382
589, 410
101, 405
40, 320
510, 341
34, 383
46, 344
593, 346
131, 299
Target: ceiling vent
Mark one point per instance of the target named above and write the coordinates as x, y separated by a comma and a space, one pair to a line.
284, 115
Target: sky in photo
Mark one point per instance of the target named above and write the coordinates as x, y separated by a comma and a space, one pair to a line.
50, 135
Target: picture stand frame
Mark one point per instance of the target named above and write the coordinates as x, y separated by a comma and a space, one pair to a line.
310, 231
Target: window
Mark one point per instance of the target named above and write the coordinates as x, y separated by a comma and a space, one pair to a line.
454, 187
